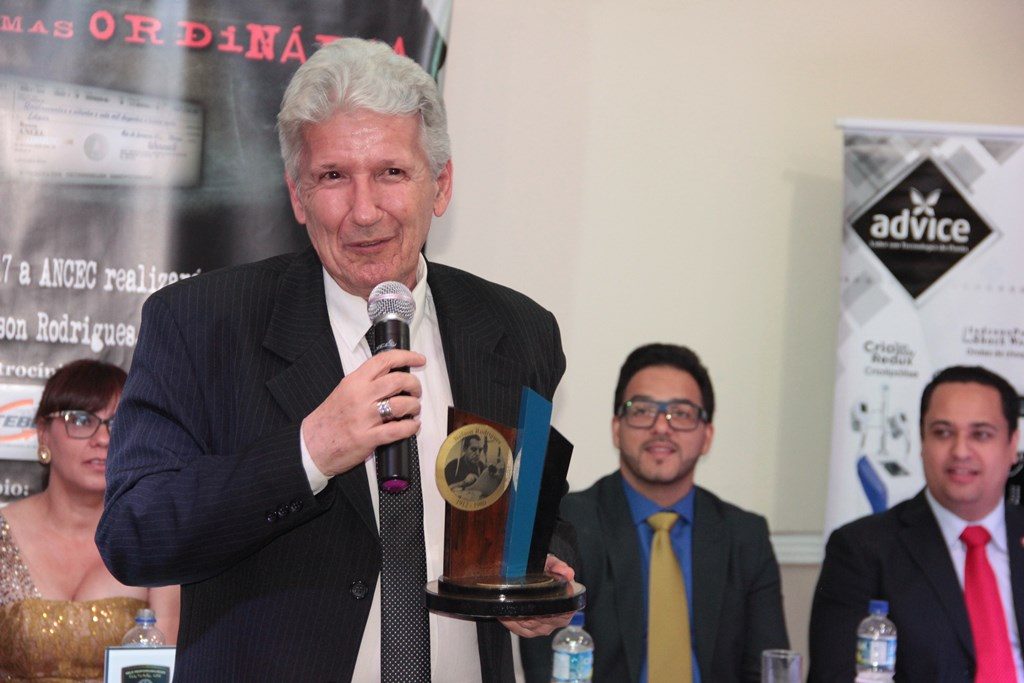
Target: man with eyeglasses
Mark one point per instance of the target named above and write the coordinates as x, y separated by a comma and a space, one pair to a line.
698, 600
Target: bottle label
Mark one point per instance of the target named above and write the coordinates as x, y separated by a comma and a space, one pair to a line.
876, 654
573, 666
146, 673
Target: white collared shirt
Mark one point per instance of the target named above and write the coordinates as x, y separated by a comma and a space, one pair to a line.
453, 643
951, 527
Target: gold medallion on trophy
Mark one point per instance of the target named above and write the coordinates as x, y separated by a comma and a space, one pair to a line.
474, 467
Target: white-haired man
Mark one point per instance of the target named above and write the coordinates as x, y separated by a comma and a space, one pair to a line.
241, 466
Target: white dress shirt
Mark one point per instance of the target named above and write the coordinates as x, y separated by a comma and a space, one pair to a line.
454, 655
998, 557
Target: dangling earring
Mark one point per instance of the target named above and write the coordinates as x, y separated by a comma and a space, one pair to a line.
44, 455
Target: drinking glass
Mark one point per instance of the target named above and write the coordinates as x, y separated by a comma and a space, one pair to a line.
781, 666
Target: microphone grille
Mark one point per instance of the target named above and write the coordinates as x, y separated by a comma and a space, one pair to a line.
391, 300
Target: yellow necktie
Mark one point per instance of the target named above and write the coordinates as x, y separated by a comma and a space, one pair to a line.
668, 627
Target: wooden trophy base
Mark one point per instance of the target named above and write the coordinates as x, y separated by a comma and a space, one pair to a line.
534, 595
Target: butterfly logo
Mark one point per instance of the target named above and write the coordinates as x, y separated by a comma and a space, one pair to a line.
924, 205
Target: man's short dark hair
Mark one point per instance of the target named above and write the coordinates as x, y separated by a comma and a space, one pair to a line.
978, 375
674, 356
468, 441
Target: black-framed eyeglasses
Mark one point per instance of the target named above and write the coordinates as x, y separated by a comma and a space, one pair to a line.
682, 416
81, 424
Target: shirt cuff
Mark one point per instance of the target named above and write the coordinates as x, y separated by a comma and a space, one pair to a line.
317, 479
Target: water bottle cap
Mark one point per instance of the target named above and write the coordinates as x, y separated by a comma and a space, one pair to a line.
878, 607
578, 619
145, 616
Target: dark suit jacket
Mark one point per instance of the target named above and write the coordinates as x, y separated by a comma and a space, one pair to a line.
205, 482
900, 556
737, 598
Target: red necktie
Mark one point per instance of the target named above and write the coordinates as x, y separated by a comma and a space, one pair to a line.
992, 652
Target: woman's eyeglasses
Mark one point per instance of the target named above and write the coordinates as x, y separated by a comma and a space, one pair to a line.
81, 424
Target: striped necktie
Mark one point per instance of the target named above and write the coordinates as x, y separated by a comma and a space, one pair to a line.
404, 622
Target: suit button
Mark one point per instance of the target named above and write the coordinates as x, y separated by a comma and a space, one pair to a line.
296, 505
272, 516
283, 511
358, 590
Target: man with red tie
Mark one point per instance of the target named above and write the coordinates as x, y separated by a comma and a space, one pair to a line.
950, 560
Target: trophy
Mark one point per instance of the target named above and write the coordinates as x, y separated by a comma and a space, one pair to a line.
502, 487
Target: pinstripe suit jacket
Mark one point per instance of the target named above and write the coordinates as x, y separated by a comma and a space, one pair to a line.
205, 482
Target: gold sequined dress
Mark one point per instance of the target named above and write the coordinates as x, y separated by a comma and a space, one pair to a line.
53, 641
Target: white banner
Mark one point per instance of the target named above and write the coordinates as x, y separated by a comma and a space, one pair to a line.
932, 276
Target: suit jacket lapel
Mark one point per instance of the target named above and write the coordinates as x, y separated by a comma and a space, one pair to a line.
924, 542
1015, 548
710, 563
300, 332
482, 381
623, 553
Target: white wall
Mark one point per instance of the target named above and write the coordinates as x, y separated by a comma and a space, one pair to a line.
670, 171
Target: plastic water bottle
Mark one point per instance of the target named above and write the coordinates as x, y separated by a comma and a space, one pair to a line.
144, 633
876, 644
573, 651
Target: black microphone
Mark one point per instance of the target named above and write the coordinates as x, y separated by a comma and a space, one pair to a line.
391, 308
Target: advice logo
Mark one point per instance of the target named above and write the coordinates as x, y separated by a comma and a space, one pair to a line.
921, 228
